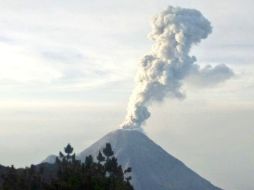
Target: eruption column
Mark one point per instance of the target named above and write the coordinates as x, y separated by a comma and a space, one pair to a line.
163, 71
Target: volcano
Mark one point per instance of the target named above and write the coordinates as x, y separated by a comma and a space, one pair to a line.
152, 167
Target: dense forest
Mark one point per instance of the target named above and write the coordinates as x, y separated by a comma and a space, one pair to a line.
68, 173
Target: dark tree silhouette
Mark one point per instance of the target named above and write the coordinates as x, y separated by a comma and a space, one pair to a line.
100, 157
89, 161
107, 151
68, 150
68, 173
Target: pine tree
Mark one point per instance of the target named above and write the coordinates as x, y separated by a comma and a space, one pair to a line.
100, 157
71, 174
108, 152
89, 161
68, 150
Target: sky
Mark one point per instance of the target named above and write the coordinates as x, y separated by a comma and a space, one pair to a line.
67, 69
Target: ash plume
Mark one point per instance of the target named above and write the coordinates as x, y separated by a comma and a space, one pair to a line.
164, 70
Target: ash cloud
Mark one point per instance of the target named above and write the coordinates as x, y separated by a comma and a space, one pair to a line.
168, 66
209, 76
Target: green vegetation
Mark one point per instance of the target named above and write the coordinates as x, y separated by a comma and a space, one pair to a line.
68, 173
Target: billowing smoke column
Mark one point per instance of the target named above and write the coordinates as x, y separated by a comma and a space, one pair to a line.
164, 70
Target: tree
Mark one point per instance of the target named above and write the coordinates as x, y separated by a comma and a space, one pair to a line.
70, 174
89, 161
108, 152
100, 157
68, 150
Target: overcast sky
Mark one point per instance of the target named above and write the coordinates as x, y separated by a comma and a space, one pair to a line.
67, 70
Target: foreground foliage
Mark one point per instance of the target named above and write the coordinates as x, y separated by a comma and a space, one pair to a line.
68, 173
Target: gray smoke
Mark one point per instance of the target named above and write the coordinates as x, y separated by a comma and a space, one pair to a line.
169, 65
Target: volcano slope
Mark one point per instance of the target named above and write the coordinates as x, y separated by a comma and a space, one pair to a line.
152, 167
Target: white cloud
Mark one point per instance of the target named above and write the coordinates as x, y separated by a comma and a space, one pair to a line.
20, 66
